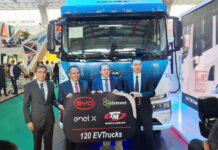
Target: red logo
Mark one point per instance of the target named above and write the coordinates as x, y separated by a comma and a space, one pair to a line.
201, 81
84, 103
115, 116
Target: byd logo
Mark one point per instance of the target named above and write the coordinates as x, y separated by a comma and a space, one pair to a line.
84, 103
115, 116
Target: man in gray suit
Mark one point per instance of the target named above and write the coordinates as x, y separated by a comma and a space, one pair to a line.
39, 97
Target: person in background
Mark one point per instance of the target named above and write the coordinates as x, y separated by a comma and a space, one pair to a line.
52, 65
52, 68
2, 80
56, 74
6, 145
39, 98
38, 63
14, 72
48, 70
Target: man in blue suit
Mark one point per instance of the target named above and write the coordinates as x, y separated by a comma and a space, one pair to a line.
66, 90
107, 83
140, 86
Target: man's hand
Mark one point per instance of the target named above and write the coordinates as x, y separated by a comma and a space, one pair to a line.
115, 91
93, 92
70, 95
206, 145
61, 107
136, 94
30, 126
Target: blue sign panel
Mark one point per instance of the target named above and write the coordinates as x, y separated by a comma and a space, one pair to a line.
190, 101
105, 2
112, 6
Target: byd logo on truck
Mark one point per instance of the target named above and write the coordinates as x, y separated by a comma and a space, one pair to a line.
115, 116
84, 103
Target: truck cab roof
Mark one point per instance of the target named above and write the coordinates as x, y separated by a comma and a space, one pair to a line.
112, 6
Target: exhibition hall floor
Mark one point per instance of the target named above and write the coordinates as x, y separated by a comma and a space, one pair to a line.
184, 119
168, 140
10, 95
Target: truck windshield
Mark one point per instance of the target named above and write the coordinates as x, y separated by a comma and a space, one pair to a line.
114, 38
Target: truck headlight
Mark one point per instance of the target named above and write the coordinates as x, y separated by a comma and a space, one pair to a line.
165, 105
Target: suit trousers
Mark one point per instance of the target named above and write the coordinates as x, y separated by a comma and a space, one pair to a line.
14, 84
47, 133
47, 76
118, 145
144, 118
75, 146
4, 88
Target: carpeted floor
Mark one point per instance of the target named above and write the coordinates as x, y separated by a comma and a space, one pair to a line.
12, 125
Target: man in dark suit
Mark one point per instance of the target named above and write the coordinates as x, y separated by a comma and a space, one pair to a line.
107, 83
66, 90
2, 80
39, 97
141, 87
14, 72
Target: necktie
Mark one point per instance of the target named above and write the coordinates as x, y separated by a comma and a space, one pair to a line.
138, 100
76, 88
137, 84
106, 85
42, 90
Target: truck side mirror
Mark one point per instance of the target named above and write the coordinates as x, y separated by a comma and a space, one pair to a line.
177, 33
51, 37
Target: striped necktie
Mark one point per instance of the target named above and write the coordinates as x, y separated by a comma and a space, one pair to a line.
106, 85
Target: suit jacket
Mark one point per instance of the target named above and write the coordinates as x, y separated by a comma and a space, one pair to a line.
115, 83
41, 110
2, 76
16, 72
147, 86
66, 88
147, 91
